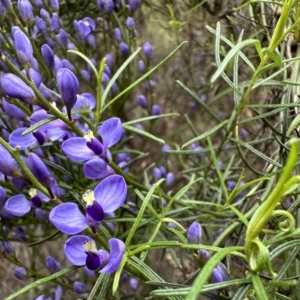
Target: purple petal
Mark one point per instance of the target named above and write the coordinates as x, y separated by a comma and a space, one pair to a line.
75, 251
76, 149
111, 193
97, 168
95, 211
111, 131
92, 261
17, 205
68, 219
56, 133
117, 249
16, 139
2, 196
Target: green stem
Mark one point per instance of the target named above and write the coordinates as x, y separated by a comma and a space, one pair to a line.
15, 154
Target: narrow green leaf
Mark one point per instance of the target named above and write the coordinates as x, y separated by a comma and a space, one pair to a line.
86, 59
144, 133
258, 153
143, 77
141, 211
150, 118
40, 282
206, 134
207, 270
117, 74
230, 55
260, 291
201, 103
101, 280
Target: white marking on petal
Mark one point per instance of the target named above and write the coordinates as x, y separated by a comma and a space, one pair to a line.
90, 246
32, 192
88, 197
88, 135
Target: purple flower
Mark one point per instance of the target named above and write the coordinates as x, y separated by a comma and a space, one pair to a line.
14, 87
81, 250
194, 233
68, 86
25, 10
22, 45
108, 196
88, 147
20, 273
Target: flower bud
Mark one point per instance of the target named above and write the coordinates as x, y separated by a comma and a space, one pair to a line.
45, 16
117, 34
39, 169
79, 287
142, 101
133, 283
20, 273
25, 10
109, 6
157, 173
165, 148
141, 66
170, 178
130, 23
8, 165
55, 5
12, 110
22, 45
52, 265
204, 256
6, 247
156, 110
54, 24
6, 4
34, 76
109, 59
194, 233
217, 275
134, 5
68, 86
62, 37
48, 56
148, 50
124, 49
